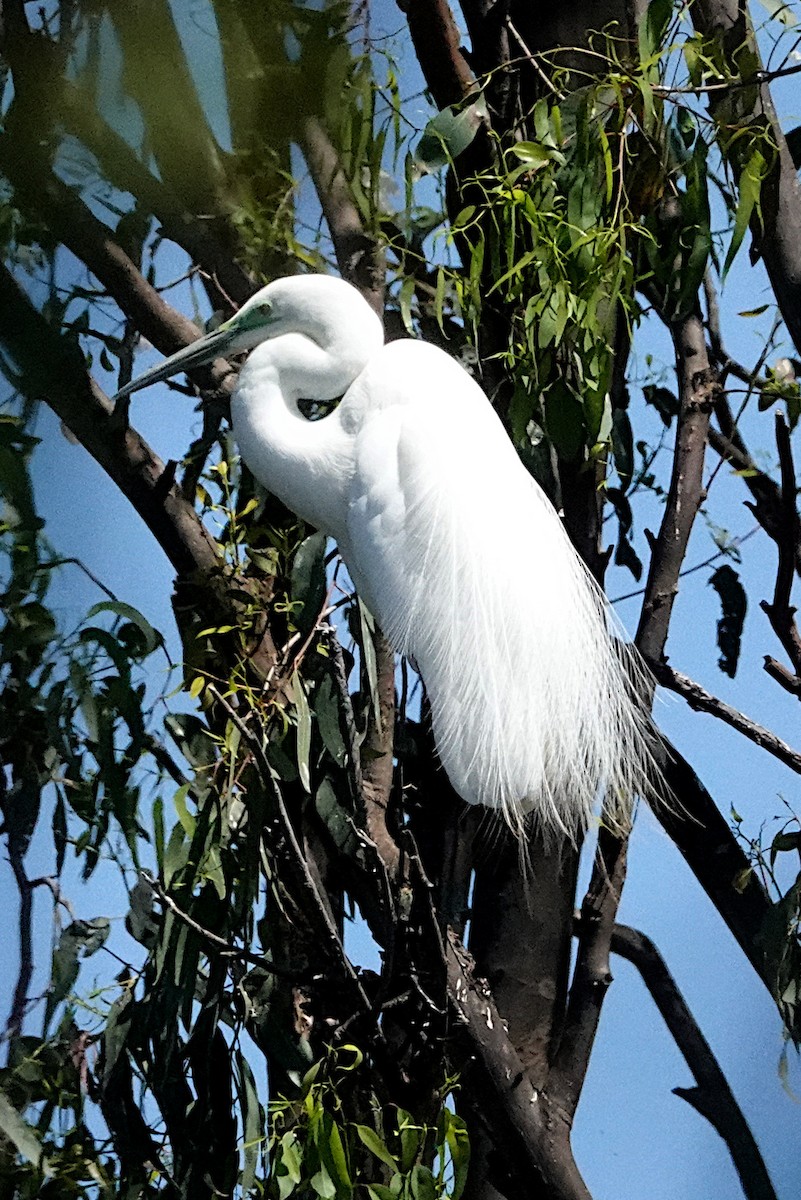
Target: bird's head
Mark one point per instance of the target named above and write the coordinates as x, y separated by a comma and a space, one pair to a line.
299, 303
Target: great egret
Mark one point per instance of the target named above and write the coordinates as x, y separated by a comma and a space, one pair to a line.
451, 544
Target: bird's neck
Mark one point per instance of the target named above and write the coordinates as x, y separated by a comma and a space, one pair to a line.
307, 464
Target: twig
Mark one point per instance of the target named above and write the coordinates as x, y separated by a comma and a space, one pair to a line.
711, 1097
223, 948
699, 566
301, 864
702, 701
532, 59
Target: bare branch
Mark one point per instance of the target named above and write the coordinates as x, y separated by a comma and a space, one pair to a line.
712, 1096
702, 701
698, 388
693, 821
592, 975
437, 45
90, 240
377, 767
357, 254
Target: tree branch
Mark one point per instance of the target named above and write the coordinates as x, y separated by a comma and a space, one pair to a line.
698, 387
358, 257
592, 975
525, 1125
702, 701
693, 821
780, 612
53, 367
92, 242
521, 918
437, 44
711, 1097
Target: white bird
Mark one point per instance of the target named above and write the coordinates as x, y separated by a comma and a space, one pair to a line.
536, 704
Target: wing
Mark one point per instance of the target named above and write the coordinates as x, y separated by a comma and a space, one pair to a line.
468, 570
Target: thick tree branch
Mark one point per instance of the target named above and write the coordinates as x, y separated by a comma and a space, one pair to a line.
703, 701
52, 367
225, 279
437, 44
693, 821
519, 937
698, 388
377, 766
357, 253
525, 1125
592, 975
92, 242
712, 1096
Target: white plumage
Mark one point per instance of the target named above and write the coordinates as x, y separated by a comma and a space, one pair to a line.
536, 705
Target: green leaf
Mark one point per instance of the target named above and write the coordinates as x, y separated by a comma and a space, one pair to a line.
458, 1143
422, 1183
308, 583
367, 627
664, 401
749, 193
784, 842
535, 155
653, 28
337, 820
22, 1136
449, 133
152, 637
79, 939
411, 1139
304, 730
252, 1123
376, 1146
184, 816
322, 1185
564, 421
405, 297
338, 1159
115, 1035
326, 709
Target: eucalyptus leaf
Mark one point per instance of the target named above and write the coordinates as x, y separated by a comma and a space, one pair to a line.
449, 133
734, 603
